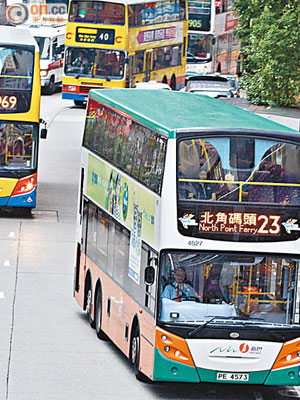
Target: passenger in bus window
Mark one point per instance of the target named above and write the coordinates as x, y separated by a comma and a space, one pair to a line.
179, 288
204, 190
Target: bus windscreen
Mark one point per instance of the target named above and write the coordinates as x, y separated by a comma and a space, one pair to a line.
196, 287
18, 143
94, 63
16, 73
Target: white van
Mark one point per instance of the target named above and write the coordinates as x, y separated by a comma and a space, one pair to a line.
51, 41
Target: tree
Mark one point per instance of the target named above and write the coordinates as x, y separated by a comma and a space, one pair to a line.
270, 41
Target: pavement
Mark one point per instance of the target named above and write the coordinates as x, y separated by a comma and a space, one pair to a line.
285, 115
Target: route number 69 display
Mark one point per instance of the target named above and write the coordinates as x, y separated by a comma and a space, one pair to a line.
8, 102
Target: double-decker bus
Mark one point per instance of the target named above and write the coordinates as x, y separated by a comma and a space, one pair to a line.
20, 90
118, 43
188, 249
213, 46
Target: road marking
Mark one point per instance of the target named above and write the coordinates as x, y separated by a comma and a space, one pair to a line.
11, 234
2, 295
6, 263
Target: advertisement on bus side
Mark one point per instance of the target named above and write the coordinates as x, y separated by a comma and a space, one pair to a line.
128, 202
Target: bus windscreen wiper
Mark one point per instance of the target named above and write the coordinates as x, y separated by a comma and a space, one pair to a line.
202, 326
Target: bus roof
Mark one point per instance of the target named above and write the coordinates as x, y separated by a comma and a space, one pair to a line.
10, 35
168, 111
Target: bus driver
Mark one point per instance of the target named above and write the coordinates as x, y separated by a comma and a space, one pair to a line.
180, 288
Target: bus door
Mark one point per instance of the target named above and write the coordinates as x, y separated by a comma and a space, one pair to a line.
130, 69
148, 65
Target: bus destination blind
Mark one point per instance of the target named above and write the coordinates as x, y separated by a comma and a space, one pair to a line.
95, 35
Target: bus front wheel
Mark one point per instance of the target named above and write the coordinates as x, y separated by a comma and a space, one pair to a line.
135, 355
173, 82
98, 316
79, 103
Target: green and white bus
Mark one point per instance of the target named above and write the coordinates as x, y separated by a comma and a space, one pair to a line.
188, 247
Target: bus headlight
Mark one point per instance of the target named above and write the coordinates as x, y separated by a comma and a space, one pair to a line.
173, 347
289, 355
25, 185
44, 73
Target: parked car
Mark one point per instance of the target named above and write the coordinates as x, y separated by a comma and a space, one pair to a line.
213, 85
152, 85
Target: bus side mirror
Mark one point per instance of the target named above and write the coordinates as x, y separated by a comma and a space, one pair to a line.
44, 133
213, 41
149, 275
43, 130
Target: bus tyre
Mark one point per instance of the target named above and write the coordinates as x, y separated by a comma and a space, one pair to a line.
98, 316
79, 103
50, 89
135, 355
173, 82
88, 308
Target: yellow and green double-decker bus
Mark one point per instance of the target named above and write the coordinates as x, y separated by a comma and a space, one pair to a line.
20, 90
118, 43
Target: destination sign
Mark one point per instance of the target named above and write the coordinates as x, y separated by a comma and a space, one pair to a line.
234, 222
95, 35
199, 22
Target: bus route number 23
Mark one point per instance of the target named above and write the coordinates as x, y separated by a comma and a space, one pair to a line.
269, 225
8, 102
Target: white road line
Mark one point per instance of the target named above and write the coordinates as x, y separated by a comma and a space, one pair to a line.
11, 234
6, 263
2, 295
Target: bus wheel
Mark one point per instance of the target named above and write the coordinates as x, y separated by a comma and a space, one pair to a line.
98, 316
135, 355
173, 82
219, 68
79, 103
165, 80
88, 307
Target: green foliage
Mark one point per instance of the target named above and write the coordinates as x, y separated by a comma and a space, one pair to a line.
270, 42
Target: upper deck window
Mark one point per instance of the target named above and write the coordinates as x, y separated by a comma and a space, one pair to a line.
239, 169
97, 12
129, 146
156, 13
16, 72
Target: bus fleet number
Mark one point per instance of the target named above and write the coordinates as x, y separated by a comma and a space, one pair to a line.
8, 102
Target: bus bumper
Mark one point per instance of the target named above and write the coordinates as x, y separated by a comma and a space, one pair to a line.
74, 96
169, 370
23, 200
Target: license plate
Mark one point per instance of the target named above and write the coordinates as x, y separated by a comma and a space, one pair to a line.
229, 376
